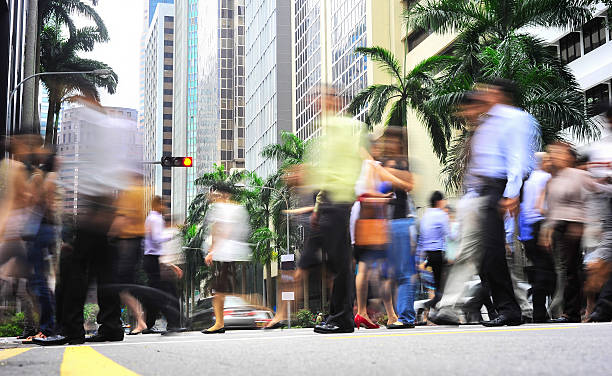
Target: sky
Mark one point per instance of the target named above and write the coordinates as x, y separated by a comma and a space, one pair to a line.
123, 19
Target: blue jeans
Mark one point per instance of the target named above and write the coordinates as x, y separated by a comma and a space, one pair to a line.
45, 238
402, 263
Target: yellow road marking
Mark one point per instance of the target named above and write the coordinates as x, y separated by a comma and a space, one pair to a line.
84, 360
9, 353
453, 332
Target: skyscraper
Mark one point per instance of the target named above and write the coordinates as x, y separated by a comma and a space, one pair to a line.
184, 139
158, 99
220, 90
268, 89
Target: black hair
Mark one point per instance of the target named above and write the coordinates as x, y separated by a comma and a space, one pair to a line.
508, 87
436, 197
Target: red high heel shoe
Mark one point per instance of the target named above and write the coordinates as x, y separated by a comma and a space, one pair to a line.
360, 321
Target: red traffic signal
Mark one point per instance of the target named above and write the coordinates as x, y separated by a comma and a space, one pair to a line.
177, 162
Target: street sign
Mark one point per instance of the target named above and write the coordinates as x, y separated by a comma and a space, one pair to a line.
288, 295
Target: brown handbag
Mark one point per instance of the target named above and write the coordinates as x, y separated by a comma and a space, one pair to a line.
371, 232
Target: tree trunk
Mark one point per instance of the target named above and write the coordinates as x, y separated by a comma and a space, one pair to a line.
269, 285
243, 278
50, 121
306, 291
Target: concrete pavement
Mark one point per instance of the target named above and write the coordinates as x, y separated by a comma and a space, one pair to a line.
525, 350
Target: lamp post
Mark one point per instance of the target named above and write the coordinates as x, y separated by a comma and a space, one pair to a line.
97, 72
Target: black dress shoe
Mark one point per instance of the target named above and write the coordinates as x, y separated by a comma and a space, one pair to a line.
276, 325
564, 320
401, 325
104, 338
173, 330
332, 328
58, 340
444, 317
502, 320
218, 331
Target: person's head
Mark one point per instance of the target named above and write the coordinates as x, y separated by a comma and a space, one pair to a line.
222, 193
437, 200
471, 108
499, 91
562, 155
544, 161
157, 204
331, 100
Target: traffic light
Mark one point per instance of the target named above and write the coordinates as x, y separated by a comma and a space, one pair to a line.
177, 162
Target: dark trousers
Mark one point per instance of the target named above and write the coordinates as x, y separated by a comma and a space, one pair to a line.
541, 274
435, 259
161, 296
90, 258
335, 242
567, 238
38, 279
494, 269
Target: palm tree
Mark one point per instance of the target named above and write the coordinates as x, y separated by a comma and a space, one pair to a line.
490, 45
289, 152
408, 91
59, 54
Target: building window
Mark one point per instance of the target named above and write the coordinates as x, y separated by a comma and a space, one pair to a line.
168, 79
168, 43
166, 192
168, 30
167, 104
167, 67
598, 94
167, 142
167, 91
594, 34
168, 55
168, 19
569, 46
167, 129
167, 117
416, 38
167, 179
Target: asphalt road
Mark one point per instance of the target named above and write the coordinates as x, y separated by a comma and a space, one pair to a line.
577, 349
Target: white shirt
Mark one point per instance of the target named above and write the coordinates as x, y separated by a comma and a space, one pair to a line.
154, 234
233, 220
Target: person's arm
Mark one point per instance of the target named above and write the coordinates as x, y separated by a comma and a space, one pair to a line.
385, 175
515, 145
157, 232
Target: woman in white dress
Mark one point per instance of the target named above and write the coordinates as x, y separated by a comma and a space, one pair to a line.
229, 231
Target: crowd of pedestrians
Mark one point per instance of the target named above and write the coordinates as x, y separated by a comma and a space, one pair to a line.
554, 207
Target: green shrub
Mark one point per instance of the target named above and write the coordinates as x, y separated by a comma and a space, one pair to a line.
304, 318
13, 326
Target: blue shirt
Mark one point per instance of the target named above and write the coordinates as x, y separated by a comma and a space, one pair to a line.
434, 228
503, 147
529, 214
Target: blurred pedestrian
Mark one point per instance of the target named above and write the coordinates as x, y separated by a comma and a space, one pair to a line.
102, 172
129, 229
541, 274
434, 228
162, 295
565, 195
229, 231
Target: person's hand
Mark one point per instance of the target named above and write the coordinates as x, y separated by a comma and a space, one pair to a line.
545, 239
209, 259
510, 205
178, 271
